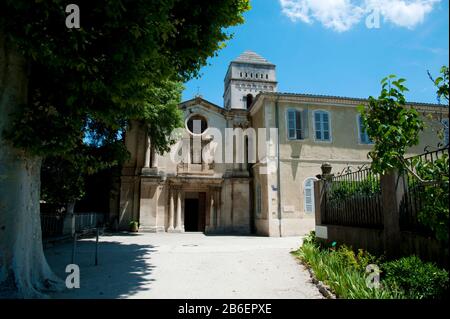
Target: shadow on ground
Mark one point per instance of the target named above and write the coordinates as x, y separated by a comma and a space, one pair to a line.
123, 269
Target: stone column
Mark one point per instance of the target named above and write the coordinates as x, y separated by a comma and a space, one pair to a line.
147, 154
178, 227
171, 212
154, 158
212, 210
218, 207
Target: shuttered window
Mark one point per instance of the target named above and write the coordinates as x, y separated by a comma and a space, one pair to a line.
297, 124
363, 136
309, 195
322, 126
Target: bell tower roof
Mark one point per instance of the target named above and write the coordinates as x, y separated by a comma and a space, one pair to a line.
251, 57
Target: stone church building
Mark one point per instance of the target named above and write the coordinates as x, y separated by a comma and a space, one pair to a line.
272, 196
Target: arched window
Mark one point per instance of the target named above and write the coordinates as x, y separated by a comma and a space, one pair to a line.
308, 195
249, 100
197, 124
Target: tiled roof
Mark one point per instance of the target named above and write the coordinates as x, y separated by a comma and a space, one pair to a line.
341, 98
251, 57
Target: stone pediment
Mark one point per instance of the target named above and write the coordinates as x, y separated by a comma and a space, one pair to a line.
198, 103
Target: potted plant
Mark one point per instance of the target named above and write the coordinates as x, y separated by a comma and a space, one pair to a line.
134, 226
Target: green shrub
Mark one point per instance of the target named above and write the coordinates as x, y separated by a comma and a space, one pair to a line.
434, 212
311, 238
418, 280
342, 270
341, 190
356, 260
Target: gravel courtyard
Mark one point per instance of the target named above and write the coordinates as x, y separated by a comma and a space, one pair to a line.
190, 265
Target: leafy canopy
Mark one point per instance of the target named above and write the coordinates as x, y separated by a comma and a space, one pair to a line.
391, 125
125, 62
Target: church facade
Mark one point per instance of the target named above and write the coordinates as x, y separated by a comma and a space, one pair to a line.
250, 166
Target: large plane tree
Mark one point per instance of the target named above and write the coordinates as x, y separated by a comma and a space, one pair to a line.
123, 63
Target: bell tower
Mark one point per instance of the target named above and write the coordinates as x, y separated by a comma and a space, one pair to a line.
247, 76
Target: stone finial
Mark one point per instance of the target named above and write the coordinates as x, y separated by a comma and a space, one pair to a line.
326, 170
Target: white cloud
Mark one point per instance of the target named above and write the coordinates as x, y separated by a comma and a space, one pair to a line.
403, 13
342, 15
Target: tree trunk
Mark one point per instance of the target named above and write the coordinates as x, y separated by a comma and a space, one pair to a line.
24, 272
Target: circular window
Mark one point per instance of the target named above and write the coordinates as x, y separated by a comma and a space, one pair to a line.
197, 124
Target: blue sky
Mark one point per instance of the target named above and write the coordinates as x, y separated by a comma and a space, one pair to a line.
324, 46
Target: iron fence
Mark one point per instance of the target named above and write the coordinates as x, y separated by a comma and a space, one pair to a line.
414, 188
354, 199
52, 225
89, 220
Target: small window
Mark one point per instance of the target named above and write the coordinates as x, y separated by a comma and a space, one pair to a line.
256, 75
322, 126
241, 74
248, 100
267, 76
297, 124
245, 74
445, 127
363, 136
251, 75
308, 195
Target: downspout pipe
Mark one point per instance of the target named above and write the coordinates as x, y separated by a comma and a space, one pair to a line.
277, 124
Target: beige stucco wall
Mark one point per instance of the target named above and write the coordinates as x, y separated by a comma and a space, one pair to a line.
302, 159
146, 197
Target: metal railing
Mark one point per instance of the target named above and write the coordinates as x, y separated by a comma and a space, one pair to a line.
89, 220
52, 225
413, 188
354, 199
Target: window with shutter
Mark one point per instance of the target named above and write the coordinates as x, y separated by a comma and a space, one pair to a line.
295, 124
363, 136
308, 195
322, 126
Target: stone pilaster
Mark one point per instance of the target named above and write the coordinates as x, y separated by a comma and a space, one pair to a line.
179, 226
171, 212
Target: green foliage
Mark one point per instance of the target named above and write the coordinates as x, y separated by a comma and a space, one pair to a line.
441, 83
341, 190
358, 261
124, 63
134, 223
343, 271
311, 238
391, 125
63, 177
415, 278
434, 211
